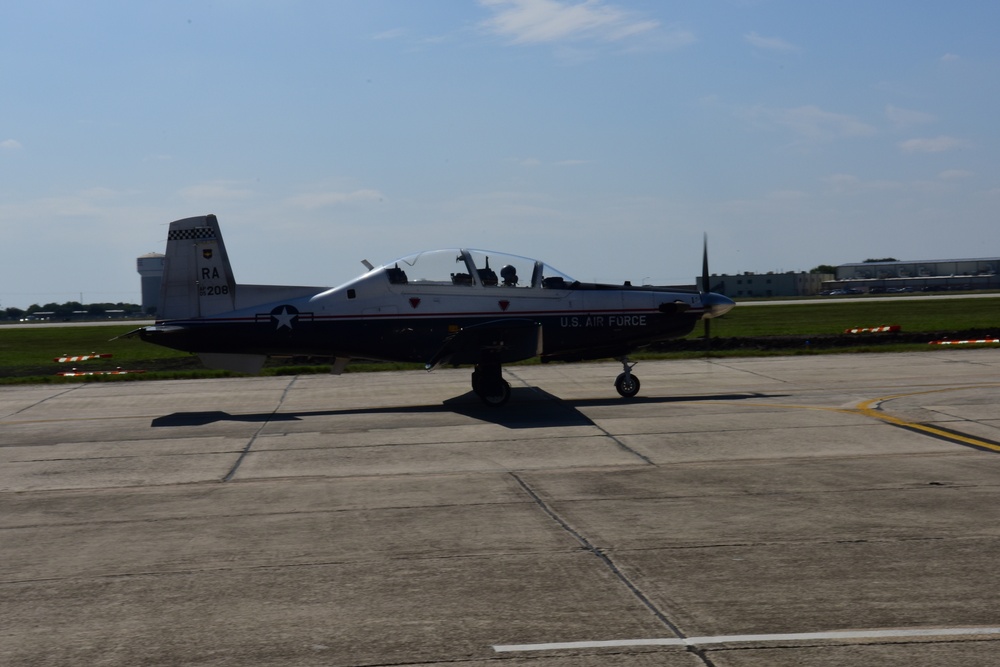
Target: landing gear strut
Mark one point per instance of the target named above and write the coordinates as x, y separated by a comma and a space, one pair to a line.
489, 385
626, 383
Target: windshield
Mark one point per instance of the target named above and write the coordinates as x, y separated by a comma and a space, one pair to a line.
434, 267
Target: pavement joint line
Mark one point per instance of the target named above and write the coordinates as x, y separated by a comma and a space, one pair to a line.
47, 398
840, 635
615, 439
246, 450
592, 548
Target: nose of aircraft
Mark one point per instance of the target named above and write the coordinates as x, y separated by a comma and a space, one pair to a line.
716, 304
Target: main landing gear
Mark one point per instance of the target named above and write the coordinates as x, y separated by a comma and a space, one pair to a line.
489, 385
626, 383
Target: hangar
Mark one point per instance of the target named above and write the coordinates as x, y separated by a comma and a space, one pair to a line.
920, 275
874, 277
750, 284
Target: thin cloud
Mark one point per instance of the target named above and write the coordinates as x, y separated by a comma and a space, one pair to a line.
215, 191
99, 193
812, 123
316, 200
851, 184
907, 117
955, 175
10, 145
787, 195
935, 145
769, 43
544, 21
950, 58
534, 162
394, 33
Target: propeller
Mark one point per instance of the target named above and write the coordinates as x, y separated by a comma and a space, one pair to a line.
704, 292
714, 304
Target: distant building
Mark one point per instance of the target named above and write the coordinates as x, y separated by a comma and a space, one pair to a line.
876, 277
923, 275
150, 267
749, 284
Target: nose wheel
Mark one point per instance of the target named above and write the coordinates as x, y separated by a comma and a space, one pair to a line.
626, 383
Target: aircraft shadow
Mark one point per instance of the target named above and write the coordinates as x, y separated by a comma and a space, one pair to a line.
529, 407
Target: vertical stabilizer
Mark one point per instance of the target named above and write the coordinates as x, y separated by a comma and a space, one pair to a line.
197, 278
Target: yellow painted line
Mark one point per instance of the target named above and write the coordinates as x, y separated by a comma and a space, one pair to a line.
865, 408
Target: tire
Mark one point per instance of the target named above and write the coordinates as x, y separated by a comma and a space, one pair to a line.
496, 395
627, 385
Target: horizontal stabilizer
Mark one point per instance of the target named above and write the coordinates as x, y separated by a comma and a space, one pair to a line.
248, 296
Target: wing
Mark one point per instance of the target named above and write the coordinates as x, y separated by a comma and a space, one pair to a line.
499, 341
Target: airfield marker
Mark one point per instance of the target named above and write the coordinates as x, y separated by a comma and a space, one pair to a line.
80, 357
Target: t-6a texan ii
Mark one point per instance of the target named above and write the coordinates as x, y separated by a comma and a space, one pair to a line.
455, 306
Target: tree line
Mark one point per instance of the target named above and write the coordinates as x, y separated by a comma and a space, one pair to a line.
72, 309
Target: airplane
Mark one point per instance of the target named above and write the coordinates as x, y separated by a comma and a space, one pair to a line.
455, 307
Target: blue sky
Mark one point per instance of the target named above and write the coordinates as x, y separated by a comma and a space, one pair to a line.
604, 137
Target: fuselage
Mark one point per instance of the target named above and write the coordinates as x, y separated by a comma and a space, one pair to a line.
408, 309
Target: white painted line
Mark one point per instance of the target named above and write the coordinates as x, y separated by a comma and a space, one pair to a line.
724, 639
562, 646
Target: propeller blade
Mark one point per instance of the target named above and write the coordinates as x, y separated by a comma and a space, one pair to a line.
704, 266
714, 305
705, 290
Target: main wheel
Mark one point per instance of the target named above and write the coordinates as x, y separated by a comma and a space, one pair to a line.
489, 385
627, 385
496, 395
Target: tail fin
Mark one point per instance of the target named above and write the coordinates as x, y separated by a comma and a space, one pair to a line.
197, 278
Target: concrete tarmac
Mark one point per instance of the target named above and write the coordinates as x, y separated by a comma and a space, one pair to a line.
810, 510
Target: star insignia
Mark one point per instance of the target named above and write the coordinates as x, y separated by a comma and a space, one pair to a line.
285, 317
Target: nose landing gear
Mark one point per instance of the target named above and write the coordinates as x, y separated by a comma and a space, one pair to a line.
626, 383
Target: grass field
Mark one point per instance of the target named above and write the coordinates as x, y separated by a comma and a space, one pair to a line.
30, 351
913, 314
26, 354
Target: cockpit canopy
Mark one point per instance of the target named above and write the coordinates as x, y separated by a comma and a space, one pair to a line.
474, 268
